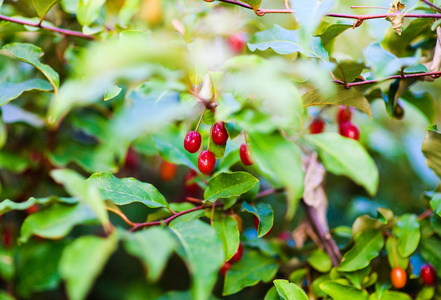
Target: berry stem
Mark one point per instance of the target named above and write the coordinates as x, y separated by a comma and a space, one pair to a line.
394, 253
432, 5
200, 119
123, 216
195, 200
425, 214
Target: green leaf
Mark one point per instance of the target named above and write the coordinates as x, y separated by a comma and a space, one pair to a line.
226, 229
332, 31
112, 92
127, 190
43, 6
55, 221
7, 264
251, 269
203, 261
255, 4
430, 148
86, 192
338, 291
389, 295
367, 246
11, 91
408, 234
357, 277
8, 205
153, 247
265, 214
3, 132
37, 267
88, 11
394, 256
423, 101
289, 290
344, 156
272, 294
175, 153
349, 97
347, 71
82, 261
226, 185
218, 150
31, 54
320, 261
430, 251
284, 41
13, 162
426, 293
288, 174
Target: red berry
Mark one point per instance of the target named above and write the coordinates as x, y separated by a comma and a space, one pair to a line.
238, 255
256, 226
245, 155
236, 42
398, 277
206, 162
224, 269
32, 209
350, 130
192, 141
317, 126
428, 274
192, 188
285, 236
167, 171
35, 156
219, 133
131, 159
7, 238
344, 114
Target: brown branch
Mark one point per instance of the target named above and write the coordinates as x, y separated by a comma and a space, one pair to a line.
324, 235
268, 192
63, 31
432, 5
123, 216
425, 214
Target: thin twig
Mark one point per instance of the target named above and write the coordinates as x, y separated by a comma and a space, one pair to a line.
432, 5
425, 214
63, 31
268, 192
123, 216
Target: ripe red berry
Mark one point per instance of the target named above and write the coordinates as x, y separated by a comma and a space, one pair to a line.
245, 155
191, 188
428, 274
317, 126
238, 255
206, 162
256, 226
398, 277
167, 171
344, 114
285, 236
219, 133
236, 42
350, 130
32, 209
224, 269
192, 141
7, 238
131, 159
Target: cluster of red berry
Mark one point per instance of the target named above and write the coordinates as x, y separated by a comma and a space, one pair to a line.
399, 276
219, 135
236, 257
345, 126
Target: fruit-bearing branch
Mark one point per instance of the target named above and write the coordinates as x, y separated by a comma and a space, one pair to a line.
63, 31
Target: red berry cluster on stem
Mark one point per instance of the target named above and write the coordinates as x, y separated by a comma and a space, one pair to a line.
346, 127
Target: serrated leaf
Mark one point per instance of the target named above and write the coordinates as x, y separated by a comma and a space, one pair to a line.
407, 231
201, 249
430, 147
11, 91
31, 54
264, 212
82, 261
88, 11
8, 205
43, 6
252, 268
226, 229
229, 184
320, 261
84, 191
153, 247
342, 96
344, 156
368, 245
288, 290
284, 41
338, 291
55, 221
127, 190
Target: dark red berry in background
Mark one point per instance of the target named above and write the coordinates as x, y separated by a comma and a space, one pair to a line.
256, 226
428, 274
167, 171
238, 255
192, 188
206, 162
192, 141
236, 42
245, 155
317, 126
35, 156
350, 130
7, 238
131, 159
344, 114
219, 133
398, 277
224, 269
32, 209
284, 236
